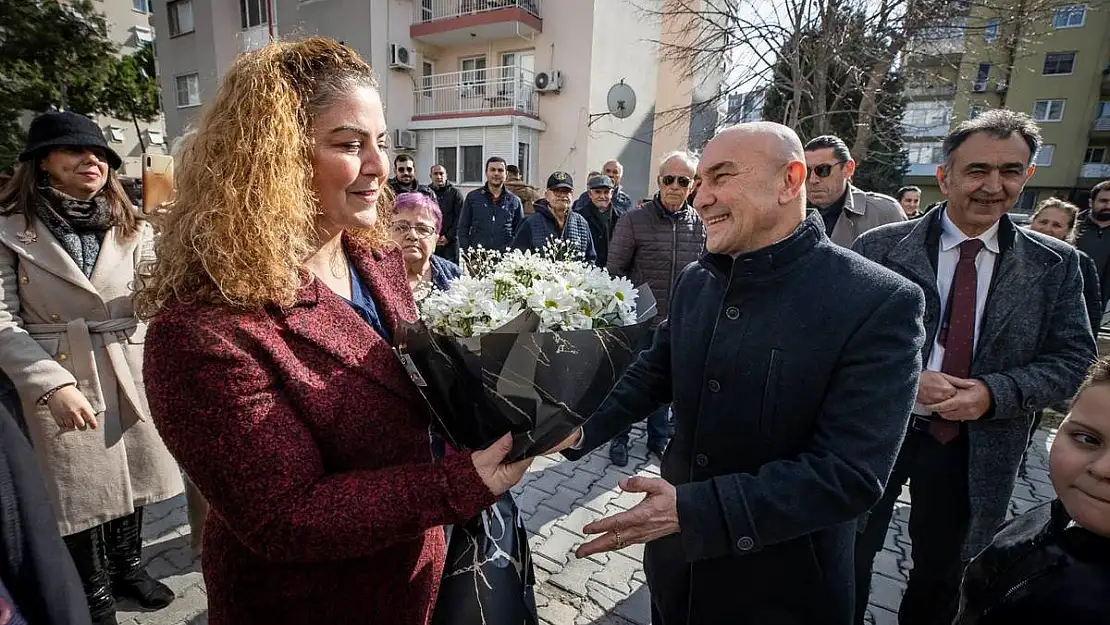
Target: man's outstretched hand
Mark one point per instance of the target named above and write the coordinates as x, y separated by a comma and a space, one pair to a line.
654, 517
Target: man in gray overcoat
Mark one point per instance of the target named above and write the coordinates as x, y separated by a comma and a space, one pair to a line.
791, 364
1008, 335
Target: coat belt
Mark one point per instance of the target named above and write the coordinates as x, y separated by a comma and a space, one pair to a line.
79, 332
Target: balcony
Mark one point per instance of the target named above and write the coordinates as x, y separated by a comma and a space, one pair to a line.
254, 38
490, 92
1101, 124
1099, 171
943, 92
456, 22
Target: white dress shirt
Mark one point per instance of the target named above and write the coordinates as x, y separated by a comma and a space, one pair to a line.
947, 257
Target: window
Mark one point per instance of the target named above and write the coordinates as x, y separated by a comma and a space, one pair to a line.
1071, 16
188, 90
449, 158
1095, 155
427, 69
473, 76
1048, 110
142, 6
523, 158
990, 31
975, 111
927, 118
1058, 63
1044, 155
984, 72
154, 137
115, 134
1026, 201
426, 15
181, 17
473, 167
924, 153
144, 35
1103, 109
252, 13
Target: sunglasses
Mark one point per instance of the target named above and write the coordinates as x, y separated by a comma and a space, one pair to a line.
421, 231
824, 169
683, 181
405, 170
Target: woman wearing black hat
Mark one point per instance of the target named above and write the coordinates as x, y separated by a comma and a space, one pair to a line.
71, 247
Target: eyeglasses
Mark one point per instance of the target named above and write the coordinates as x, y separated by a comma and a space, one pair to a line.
404, 170
823, 170
683, 181
421, 231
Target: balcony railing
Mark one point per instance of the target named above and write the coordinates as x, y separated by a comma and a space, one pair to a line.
931, 92
432, 10
507, 90
254, 38
1101, 124
1095, 170
922, 169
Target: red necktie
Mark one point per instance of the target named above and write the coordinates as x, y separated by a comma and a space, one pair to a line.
959, 337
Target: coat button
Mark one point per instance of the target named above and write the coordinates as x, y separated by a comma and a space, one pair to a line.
745, 544
732, 312
62, 357
23, 280
714, 386
701, 460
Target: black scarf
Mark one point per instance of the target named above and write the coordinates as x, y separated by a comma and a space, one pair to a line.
79, 225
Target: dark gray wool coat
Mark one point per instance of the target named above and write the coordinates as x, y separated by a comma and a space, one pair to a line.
791, 370
1035, 345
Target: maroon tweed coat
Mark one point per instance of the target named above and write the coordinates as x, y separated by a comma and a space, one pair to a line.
311, 445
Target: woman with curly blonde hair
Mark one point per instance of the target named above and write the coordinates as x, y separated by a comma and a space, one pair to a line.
269, 364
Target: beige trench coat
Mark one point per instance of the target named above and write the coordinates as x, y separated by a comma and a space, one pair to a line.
59, 327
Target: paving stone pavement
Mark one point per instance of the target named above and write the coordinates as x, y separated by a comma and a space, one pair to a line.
557, 498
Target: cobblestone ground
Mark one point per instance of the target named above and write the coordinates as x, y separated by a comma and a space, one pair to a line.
557, 499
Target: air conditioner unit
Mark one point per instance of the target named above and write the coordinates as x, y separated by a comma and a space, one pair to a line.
549, 81
979, 86
404, 139
400, 57
1001, 86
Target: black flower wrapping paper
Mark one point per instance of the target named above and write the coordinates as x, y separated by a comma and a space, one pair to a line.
539, 386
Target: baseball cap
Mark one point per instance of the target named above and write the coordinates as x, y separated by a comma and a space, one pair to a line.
600, 182
560, 180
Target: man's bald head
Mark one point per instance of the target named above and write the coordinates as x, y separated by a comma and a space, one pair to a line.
752, 187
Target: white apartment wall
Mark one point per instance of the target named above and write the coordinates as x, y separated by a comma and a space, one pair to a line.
622, 50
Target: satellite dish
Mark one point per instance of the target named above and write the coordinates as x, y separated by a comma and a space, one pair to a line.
621, 100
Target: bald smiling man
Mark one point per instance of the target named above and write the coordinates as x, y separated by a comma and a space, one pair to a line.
797, 358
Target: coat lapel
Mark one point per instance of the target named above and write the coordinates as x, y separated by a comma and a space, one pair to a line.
39, 247
325, 319
114, 260
1019, 269
911, 258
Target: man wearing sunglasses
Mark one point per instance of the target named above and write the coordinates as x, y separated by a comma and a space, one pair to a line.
652, 244
847, 211
405, 180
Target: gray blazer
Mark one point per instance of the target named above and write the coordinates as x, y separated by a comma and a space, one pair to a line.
1034, 348
863, 211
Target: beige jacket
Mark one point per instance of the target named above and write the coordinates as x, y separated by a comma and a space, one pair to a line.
59, 327
863, 211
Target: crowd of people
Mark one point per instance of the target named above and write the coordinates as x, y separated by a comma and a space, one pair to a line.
817, 347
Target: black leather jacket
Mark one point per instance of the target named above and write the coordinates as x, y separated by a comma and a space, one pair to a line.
1039, 570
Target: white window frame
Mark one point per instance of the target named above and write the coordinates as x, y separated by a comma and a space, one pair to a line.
1044, 155
155, 137
262, 8
425, 77
1074, 55
173, 11
1049, 109
473, 80
1088, 156
145, 9
116, 135
188, 94
990, 31
144, 34
1067, 12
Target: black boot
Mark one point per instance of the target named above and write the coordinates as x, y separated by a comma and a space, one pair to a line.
88, 553
125, 560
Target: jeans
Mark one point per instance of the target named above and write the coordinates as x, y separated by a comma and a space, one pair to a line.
658, 429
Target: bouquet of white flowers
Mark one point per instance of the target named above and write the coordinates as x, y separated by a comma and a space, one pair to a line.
528, 343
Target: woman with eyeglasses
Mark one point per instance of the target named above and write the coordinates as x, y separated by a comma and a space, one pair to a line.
489, 576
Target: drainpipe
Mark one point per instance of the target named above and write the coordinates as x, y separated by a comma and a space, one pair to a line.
270, 4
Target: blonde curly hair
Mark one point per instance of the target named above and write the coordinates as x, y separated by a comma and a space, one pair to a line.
243, 220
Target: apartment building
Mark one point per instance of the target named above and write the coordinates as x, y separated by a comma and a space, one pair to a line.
1053, 64
130, 28
463, 80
